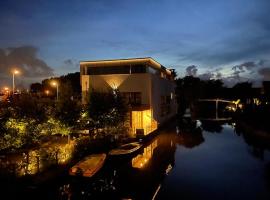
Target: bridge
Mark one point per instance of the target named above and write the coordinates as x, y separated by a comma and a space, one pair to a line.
217, 103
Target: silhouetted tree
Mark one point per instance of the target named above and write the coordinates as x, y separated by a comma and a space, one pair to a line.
36, 87
211, 126
27, 106
211, 89
72, 79
187, 91
243, 91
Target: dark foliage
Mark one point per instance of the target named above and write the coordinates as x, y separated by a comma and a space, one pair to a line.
106, 109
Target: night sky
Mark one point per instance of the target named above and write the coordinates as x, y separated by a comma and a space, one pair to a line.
210, 39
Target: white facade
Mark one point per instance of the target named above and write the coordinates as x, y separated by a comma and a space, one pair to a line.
148, 85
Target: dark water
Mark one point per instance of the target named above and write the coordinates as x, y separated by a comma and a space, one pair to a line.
205, 160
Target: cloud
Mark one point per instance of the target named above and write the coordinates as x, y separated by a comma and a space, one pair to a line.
230, 75
68, 62
25, 59
246, 66
206, 76
219, 75
191, 70
69, 65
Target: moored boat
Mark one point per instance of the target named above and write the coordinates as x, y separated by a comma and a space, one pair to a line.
89, 166
126, 149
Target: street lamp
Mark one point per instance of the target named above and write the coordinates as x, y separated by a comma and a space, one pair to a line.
55, 84
6, 89
47, 92
14, 72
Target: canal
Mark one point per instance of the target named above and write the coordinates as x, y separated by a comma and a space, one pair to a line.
204, 160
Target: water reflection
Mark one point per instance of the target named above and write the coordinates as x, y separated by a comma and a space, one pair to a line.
258, 141
142, 159
212, 126
190, 133
144, 175
190, 164
137, 177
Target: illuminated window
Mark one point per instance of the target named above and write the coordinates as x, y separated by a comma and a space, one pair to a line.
142, 121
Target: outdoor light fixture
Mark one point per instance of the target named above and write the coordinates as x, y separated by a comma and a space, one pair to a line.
55, 84
6, 90
14, 72
47, 92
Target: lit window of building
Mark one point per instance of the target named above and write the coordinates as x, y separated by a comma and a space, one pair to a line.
146, 86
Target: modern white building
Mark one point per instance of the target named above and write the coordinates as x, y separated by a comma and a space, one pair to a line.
147, 86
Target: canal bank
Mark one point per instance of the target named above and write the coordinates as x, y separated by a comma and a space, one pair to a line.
214, 163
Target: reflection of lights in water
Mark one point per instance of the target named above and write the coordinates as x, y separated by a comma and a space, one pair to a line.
169, 168
198, 123
156, 192
140, 160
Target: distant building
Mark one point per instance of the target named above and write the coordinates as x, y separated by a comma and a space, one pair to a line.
146, 85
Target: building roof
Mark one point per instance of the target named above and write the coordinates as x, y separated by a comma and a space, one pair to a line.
128, 61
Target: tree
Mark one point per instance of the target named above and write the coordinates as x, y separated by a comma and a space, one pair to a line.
211, 88
27, 106
36, 87
106, 110
72, 79
187, 91
67, 109
243, 91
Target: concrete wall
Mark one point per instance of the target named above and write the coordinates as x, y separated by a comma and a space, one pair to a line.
162, 87
123, 82
151, 86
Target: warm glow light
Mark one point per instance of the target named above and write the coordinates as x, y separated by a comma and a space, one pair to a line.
143, 120
54, 83
47, 92
140, 160
147, 60
16, 71
6, 88
114, 81
169, 168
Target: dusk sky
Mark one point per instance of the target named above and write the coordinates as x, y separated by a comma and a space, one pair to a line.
210, 39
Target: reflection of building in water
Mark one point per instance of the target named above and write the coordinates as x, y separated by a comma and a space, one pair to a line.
141, 159
137, 178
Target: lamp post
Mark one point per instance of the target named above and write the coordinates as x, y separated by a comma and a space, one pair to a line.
14, 72
47, 92
6, 89
55, 84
